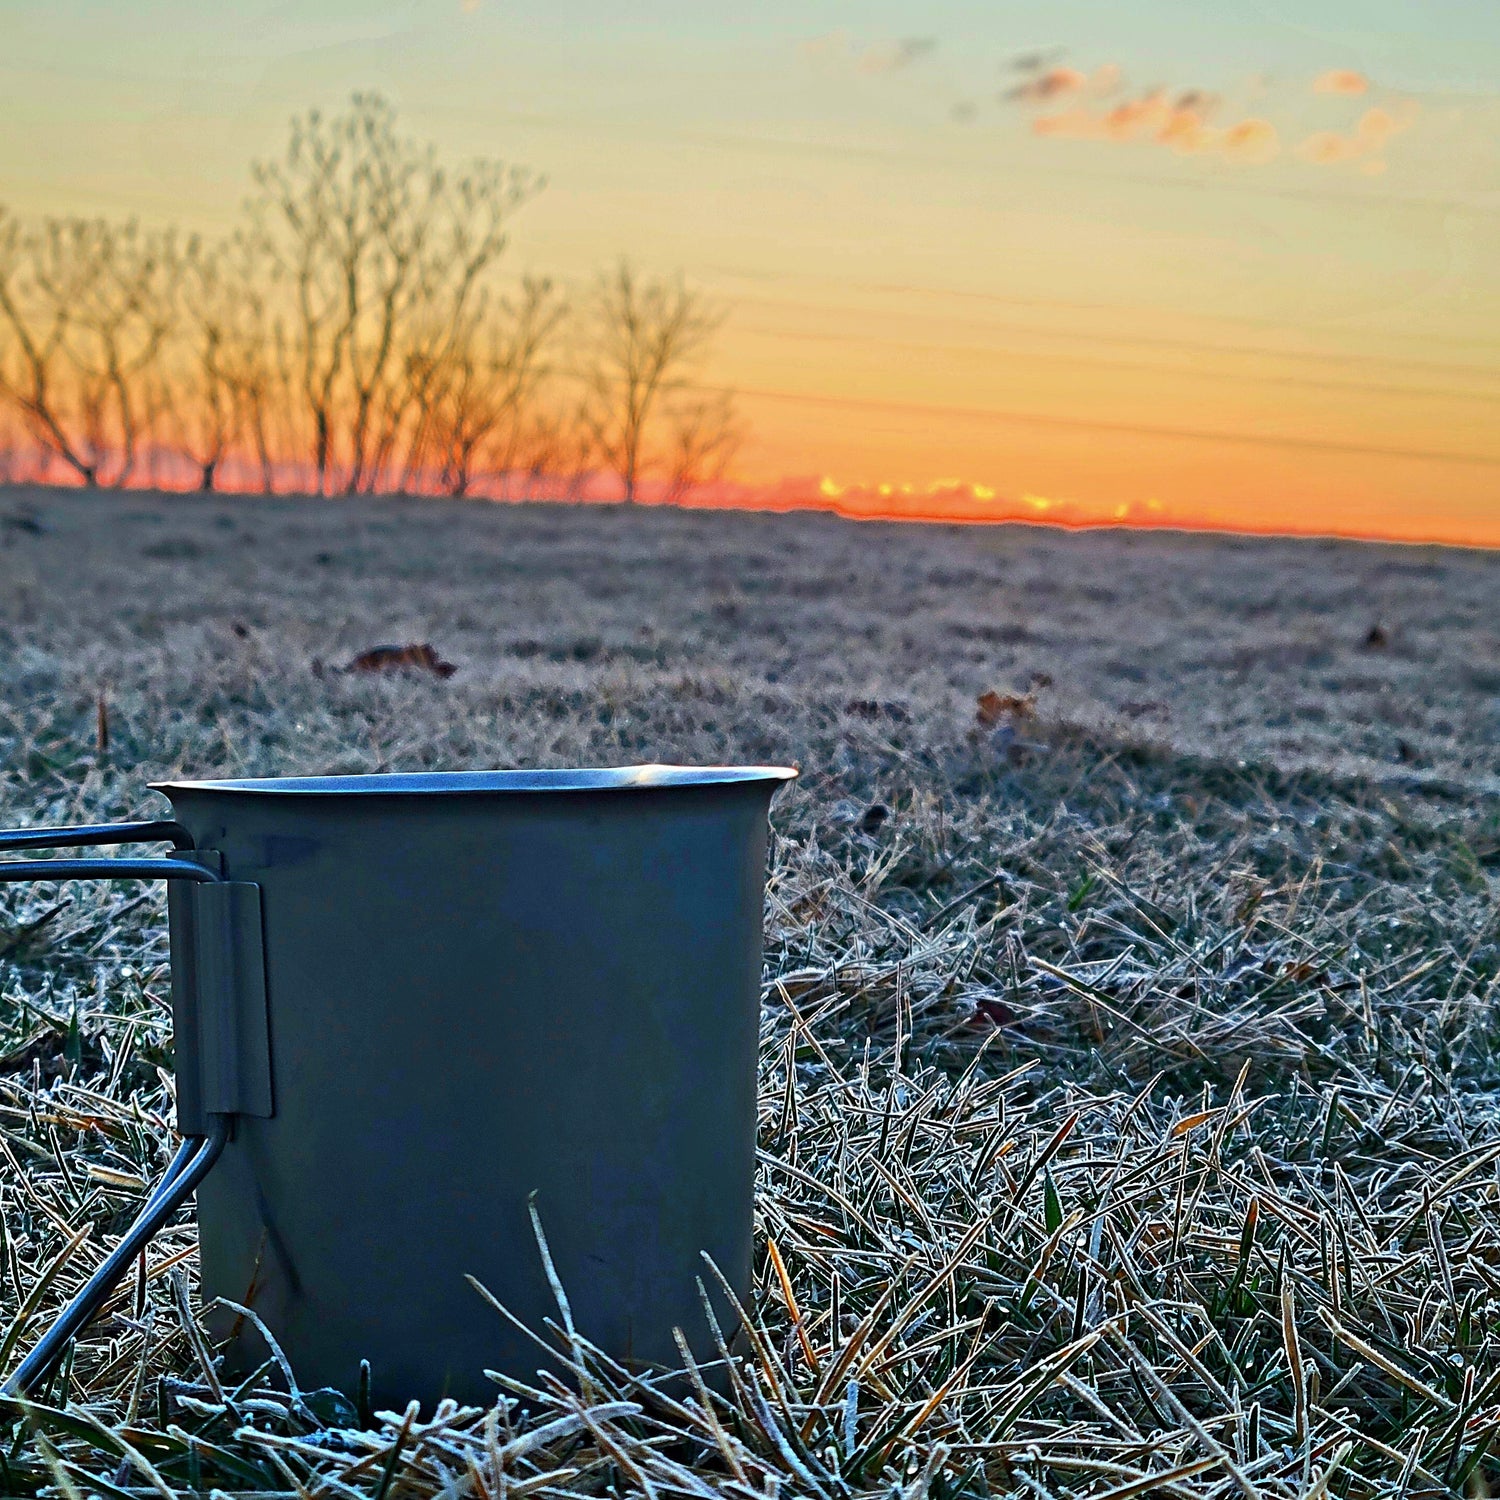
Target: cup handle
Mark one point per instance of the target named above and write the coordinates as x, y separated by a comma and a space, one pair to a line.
219, 1015
162, 831
212, 925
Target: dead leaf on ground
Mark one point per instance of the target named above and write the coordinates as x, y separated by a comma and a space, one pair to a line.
1305, 973
993, 707
991, 1010
400, 658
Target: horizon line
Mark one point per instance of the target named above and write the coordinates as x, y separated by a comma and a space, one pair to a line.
781, 500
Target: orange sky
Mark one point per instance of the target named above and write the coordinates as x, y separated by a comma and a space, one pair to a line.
1161, 263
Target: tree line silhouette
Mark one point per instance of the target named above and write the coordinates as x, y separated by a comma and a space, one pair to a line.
353, 335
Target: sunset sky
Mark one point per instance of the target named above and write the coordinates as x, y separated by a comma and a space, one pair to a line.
1195, 262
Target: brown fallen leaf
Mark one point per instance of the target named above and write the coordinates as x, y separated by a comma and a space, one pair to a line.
991, 1010
1305, 973
993, 707
399, 658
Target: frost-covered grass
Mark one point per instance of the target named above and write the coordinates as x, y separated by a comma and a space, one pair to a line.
1127, 1121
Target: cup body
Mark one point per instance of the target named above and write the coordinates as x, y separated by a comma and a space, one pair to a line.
485, 992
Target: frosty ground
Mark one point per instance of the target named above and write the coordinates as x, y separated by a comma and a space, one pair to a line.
1129, 1041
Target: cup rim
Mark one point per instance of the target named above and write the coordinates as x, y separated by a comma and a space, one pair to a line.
650, 777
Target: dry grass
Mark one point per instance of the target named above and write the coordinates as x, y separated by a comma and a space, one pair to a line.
1127, 1121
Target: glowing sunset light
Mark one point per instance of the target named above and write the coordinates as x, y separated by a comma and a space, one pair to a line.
1241, 275
935, 489
946, 500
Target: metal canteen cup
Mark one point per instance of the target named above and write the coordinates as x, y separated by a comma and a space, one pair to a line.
425, 1004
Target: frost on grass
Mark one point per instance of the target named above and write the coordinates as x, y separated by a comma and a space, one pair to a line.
1126, 1121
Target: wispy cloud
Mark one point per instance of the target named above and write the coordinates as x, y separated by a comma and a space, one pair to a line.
869, 57
1180, 123
891, 57
1363, 145
830, 46
1034, 62
1050, 83
1065, 104
1252, 140
1341, 81
1043, 85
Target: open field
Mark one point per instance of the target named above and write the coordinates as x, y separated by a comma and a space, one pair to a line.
1128, 1119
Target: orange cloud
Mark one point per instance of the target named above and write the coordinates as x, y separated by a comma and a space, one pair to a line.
1048, 85
1377, 126
1363, 144
1327, 147
1253, 140
1180, 124
1106, 79
1056, 82
1341, 81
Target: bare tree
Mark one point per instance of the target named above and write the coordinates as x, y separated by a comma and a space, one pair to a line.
644, 336
257, 373
89, 306
352, 337
706, 434
206, 414
472, 390
530, 327
381, 254
559, 452
14, 460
